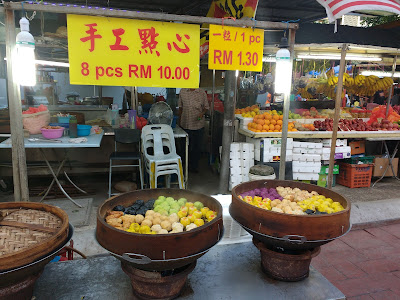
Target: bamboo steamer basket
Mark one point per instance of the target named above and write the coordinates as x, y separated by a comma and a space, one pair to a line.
28, 231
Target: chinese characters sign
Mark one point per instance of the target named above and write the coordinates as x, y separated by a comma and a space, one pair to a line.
235, 48
121, 52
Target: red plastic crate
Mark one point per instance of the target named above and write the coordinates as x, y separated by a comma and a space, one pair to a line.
355, 176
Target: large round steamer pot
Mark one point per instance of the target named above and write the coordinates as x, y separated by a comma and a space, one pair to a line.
292, 232
162, 251
12, 276
32, 253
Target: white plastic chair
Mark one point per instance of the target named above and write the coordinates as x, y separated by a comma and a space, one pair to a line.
158, 147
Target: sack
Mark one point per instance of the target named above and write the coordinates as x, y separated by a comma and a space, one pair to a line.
125, 186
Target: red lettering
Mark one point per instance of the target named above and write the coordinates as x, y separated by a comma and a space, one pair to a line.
145, 73
111, 74
252, 39
99, 72
91, 35
227, 58
217, 56
85, 69
258, 38
117, 46
133, 70
118, 72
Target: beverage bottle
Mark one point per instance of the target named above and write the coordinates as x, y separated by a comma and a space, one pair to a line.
73, 127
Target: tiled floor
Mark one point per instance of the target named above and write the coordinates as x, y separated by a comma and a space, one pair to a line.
364, 264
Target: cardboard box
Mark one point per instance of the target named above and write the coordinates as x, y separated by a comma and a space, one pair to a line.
339, 142
325, 169
357, 147
380, 165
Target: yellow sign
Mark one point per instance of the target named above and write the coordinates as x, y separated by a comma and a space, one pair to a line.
121, 52
235, 48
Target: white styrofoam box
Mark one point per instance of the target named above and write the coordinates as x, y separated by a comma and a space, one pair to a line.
247, 156
289, 157
326, 156
272, 151
243, 122
235, 155
254, 141
339, 142
268, 158
235, 147
299, 157
245, 177
276, 143
306, 169
307, 164
299, 150
289, 152
234, 162
257, 154
314, 151
297, 144
305, 176
343, 149
326, 150
247, 147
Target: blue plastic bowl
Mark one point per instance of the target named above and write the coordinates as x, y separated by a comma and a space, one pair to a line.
84, 130
63, 119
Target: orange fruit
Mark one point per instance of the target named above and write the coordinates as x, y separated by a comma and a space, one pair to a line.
259, 127
261, 122
268, 116
265, 127
281, 117
277, 127
273, 122
276, 117
267, 122
271, 127
279, 122
294, 129
276, 130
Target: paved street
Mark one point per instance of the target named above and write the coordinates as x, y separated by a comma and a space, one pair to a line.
364, 264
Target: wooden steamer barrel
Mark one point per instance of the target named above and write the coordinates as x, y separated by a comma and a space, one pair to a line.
28, 231
159, 252
295, 232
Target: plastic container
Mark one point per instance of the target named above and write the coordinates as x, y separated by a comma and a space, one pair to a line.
73, 127
52, 133
65, 125
84, 130
63, 119
355, 176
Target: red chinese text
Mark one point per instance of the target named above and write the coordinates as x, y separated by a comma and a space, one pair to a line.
92, 36
148, 37
117, 46
185, 48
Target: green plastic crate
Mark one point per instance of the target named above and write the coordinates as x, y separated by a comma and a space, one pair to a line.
354, 160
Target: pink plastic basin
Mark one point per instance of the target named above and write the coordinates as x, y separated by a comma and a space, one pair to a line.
52, 133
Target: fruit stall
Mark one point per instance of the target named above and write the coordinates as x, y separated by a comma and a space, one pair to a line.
310, 132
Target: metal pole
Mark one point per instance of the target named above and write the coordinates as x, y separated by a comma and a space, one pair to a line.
227, 129
109, 12
391, 88
20, 177
285, 121
338, 102
212, 117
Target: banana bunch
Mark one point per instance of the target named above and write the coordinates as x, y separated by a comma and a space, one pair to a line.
359, 80
304, 93
332, 80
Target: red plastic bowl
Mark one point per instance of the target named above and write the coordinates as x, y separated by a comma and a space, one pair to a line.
52, 133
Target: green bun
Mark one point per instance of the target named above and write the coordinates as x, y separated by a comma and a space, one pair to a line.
198, 205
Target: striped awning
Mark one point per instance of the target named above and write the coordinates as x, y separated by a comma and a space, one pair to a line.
335, 9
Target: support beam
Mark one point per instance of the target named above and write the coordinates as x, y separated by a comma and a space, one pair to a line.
338, 103
391, 87
109, 12
285, 120
227, 129
20, 177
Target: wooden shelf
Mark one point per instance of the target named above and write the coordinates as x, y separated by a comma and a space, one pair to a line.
323, 134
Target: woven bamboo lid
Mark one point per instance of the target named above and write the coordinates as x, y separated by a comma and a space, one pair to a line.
29, 231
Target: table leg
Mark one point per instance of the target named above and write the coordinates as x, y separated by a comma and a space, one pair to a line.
52, 182
69, 179
56, 179
187, 162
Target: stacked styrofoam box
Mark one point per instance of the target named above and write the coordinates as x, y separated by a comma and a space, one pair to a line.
241, 160
342, 151
269, 149
243, 122
306, 160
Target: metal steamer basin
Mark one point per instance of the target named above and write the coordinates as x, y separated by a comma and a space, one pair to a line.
289, 232
159, 252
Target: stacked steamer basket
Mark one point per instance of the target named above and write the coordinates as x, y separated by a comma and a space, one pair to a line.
158, 264
288, 242
31, 234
